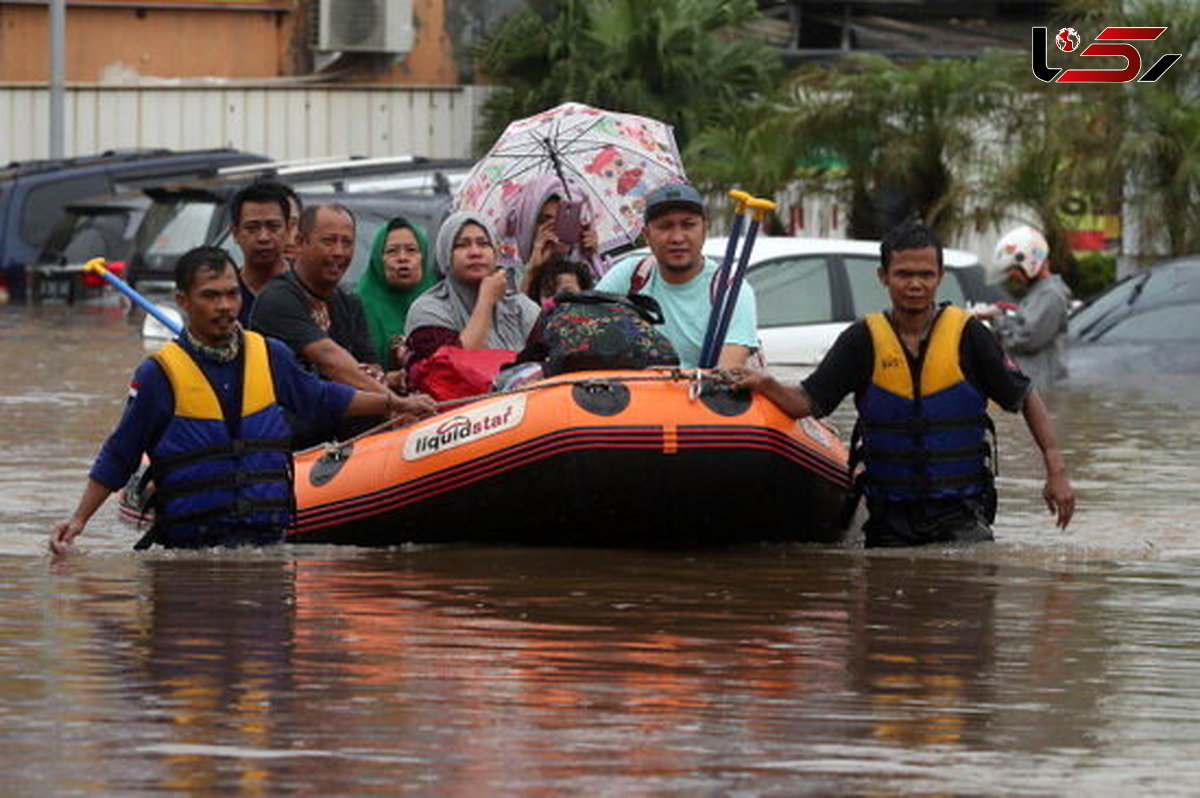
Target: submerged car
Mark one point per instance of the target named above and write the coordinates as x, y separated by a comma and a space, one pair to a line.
94, 228
189, 215
1147, 322
811, 289
34, 193
808, 290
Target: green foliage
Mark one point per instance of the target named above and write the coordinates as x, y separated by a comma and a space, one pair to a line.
1050, 147
1146, 136
955, 142
903, 135
678, 61
1093, 273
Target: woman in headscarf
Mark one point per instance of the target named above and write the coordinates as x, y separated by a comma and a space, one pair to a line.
398, 272
532, 223
474, 300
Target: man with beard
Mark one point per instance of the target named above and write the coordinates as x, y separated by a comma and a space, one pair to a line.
680, 279
921, 375
207, 409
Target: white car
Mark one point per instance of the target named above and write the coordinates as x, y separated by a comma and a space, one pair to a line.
810, 289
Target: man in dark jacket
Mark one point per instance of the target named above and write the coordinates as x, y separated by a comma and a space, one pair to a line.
207, 409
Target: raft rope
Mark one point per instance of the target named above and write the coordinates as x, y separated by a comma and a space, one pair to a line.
694, 377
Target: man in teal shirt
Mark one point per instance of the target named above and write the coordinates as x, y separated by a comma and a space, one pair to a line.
681, 279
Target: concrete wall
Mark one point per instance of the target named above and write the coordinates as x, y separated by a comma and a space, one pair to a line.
126, 43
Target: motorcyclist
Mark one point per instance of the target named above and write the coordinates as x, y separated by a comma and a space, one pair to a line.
1035, 334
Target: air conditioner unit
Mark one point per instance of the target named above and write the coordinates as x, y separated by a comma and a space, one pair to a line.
365, 26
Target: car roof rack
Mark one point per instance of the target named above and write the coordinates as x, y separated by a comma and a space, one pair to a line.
149, 155
336, 173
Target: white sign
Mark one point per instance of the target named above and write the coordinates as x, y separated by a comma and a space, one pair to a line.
470, 425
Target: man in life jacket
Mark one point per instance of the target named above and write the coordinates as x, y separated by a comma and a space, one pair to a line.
922, 375
681, 279
206, 408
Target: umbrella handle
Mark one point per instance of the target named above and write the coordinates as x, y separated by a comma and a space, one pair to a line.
558, 170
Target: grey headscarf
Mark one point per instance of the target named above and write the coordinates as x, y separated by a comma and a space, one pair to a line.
450, 302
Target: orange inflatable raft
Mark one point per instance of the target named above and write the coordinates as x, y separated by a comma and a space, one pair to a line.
638, 458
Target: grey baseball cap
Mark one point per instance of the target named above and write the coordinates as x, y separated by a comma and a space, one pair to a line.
672, 197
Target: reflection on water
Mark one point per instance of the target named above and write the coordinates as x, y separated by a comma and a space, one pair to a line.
468, 671
1040, 664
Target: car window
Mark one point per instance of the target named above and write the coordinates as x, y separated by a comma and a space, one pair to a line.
97, 235
951, 289
870, 296
225, 241
1117, 298
866, 292
44, 203
792, 291
1168, 284
368, 222
1171, 323
176, 228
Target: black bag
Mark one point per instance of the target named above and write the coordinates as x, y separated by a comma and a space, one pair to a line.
596, 331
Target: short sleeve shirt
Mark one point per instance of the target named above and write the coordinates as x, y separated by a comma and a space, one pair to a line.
848, 367
286, 310
686, 308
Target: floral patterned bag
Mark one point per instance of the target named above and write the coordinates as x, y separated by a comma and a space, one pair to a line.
596, 331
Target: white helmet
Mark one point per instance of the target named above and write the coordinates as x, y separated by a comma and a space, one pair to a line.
1021, 248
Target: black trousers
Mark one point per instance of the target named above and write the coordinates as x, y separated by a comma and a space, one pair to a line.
922, 522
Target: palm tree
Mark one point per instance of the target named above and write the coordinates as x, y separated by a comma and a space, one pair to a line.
903, 134
1159, 151
1053, 145
679, 61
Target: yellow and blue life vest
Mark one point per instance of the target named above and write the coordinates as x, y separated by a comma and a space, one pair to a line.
924, 435
219, 478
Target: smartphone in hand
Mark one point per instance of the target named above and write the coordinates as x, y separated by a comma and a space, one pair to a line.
568, 225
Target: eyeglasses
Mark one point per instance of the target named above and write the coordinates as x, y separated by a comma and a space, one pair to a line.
405, 249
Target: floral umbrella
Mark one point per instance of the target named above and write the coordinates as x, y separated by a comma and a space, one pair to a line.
611, 160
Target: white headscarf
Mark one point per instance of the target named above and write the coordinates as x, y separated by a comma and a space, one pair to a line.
450, 302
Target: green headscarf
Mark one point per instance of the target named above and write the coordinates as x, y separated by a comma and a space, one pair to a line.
386, 306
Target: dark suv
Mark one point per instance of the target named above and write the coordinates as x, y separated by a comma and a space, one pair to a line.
101, 227
188, 215
34, 193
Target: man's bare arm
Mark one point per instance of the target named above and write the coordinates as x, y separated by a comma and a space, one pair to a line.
335, 363
1059, 496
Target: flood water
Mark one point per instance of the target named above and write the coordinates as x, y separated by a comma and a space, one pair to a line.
1044, 663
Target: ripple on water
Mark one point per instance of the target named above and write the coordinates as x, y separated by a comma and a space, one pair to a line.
1047, 662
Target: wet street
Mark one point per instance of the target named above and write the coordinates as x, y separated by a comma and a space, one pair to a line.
1045, 663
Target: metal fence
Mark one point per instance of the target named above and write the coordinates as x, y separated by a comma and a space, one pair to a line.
281, 122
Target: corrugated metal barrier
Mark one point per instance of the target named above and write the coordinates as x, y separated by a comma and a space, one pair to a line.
282, 122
